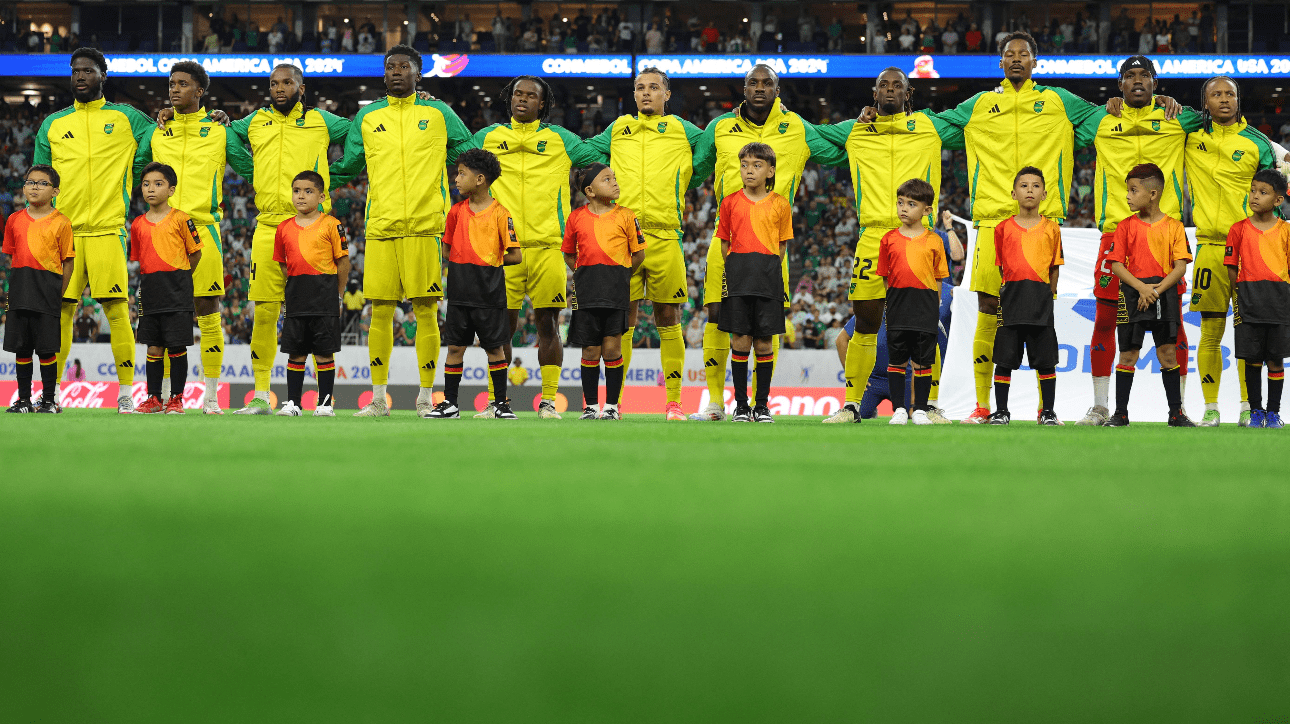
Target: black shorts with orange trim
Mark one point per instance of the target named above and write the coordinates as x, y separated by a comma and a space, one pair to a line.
1039, 342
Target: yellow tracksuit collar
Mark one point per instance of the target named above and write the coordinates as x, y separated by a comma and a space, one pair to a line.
411, 100
1006, 85
525, 127
1233, 129
91, 106
647, 118
893, 118
297, 111
197, 115
776, 110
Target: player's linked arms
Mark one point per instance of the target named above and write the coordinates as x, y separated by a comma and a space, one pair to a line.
166, 114
1114, 106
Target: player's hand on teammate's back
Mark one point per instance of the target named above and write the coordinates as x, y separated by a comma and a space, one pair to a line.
425, 96
164, 116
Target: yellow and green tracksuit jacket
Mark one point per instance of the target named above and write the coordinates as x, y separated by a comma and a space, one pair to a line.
794, 141
534, 186
887, 152
1005, 130
198, 148
283, 146
1221, 162
653, 159
1139, 135
99, 150
406, 144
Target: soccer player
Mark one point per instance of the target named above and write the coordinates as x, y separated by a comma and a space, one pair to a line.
285, 138
763, 118
911, 261
652, 154
1149, 254
38, 240
405, 143
536, 157
198, 147
1028, 251
1015, 125
1222, 158
603, 246
755, 229
313, 255
1256, 258
897, 145
481, 240
167, 246
99, 149
1141, 133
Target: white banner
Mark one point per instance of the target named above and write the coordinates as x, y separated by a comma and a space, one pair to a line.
1075, 308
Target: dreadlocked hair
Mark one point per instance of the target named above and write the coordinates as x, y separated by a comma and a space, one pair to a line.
504, 98
1206, 120
909, 90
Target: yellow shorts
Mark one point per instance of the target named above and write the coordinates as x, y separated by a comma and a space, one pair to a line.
409, 267
1211, 290
985, 273
541, 277
268, 283
208, 277
100, 263
663, 271
714, 284
865, 284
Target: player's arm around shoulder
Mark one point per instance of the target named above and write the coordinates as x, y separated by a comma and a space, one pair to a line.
823, 151
354, 154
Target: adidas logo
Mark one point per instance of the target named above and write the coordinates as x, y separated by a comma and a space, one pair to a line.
1118, 128
736, 129
266, 123
214, 287
68, 136
502, 146
558, 299
680, 294
674, 376
1099, 348
995, 109
169, 133
434, 288
376, 362
379, 129
428, 365
627, 131
871, 128
710, 362
981, 360
116, 289
216, 348
1201, 146
1207, 380
849, 384
254, 355
127, 363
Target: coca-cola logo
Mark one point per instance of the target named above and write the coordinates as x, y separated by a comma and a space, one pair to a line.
103, 394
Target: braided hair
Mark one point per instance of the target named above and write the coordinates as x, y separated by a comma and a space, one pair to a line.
909, 89
1206, 120
504, 98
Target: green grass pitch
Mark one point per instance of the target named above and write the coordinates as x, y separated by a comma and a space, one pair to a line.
399, 570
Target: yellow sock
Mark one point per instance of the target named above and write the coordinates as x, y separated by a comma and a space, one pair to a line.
67, 320
212, 345
627, 348
983, 356
1240, 372
935, 394
427, 341
550, 381
118, 316
380, 341
1209, 357
862, 351
264, 342
672, 352
716, 355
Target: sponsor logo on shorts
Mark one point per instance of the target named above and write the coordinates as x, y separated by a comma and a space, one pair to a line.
116, 289
558, 299
214, 287
680, 294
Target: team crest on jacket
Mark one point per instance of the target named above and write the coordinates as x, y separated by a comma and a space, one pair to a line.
107, 128
662, 127
909, 125
541, 147
300, 121
783, 127
206, 131
1155, 125
1039, 106
423, 124
1236, 155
